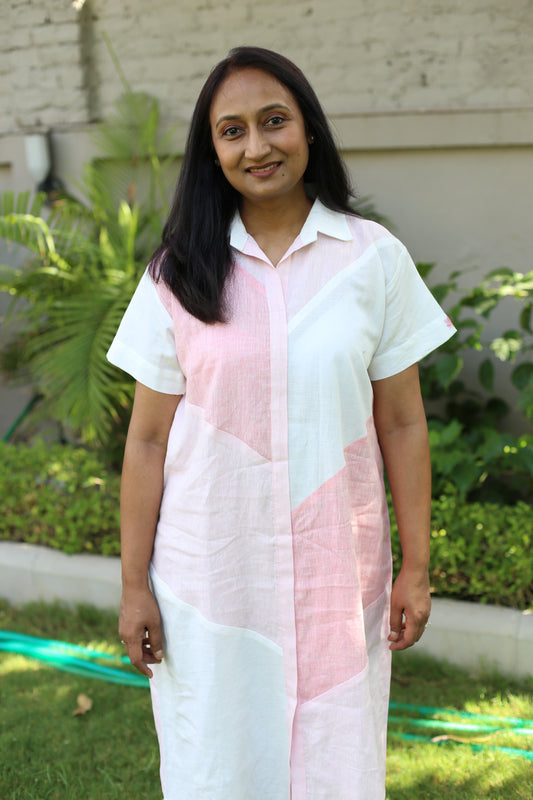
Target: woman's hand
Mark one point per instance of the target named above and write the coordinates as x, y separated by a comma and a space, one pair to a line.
140, 628
410, 608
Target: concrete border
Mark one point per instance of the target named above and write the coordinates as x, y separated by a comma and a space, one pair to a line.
31, 572
473, 635
470, 635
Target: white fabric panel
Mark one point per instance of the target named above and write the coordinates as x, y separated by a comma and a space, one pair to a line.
224, 695
144, 345
414, 324
329, 391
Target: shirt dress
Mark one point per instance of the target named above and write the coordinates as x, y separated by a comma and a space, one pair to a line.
271, 564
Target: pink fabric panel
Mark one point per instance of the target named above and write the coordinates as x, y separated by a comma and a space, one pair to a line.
231, 364
329, 624
339, 533
369, 514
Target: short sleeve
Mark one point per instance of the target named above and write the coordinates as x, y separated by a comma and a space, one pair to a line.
414, 324
144, 345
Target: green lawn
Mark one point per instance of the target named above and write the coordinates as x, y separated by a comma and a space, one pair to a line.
110, 752
453, 771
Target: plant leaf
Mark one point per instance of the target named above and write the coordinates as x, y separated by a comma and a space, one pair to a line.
486, 374
522, 375
525, 317
507, 346
447, 367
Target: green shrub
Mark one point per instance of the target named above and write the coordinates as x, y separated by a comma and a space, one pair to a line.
469, 445
479, 551
482, 463
58, 496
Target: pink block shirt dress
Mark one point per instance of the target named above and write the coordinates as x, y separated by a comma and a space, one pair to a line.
271, 564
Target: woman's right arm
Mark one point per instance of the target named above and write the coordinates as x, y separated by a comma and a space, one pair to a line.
140, 499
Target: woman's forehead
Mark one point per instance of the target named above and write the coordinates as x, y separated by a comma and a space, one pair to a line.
248, 88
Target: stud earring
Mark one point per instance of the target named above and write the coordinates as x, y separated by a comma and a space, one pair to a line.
310, 138
217, 162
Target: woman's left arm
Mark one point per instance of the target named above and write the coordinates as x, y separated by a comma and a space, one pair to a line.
403, 438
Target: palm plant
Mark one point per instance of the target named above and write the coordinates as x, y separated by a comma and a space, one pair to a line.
82, 263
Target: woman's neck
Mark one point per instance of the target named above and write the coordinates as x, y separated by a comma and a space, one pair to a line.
275, 221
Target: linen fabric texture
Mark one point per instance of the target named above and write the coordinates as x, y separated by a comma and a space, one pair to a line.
272, 563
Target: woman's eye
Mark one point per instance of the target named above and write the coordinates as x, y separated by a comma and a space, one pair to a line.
231, 131
273, 121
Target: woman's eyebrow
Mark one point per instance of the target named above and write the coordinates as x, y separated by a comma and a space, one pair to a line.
270, 107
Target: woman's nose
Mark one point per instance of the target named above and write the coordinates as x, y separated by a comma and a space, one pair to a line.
257, 146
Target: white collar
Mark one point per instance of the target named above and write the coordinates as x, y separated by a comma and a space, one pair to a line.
320, 220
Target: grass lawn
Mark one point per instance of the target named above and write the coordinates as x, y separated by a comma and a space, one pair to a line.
111, 752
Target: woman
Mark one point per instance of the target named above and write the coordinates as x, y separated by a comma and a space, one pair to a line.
274, 340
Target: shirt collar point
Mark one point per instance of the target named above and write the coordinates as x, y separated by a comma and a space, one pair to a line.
323, 220
238, 233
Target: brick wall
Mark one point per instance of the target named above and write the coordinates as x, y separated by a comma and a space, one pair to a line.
41, 59
360, 56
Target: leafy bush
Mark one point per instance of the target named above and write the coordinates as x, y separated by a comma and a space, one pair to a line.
59, 496
469, 446
469, 314
479, 551
480, 462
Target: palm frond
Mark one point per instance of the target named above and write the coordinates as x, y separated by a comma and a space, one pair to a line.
130, 132
21, 203
32, 233
70, 360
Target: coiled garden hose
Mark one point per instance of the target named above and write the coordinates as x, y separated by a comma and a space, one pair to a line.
486, 724
72, 658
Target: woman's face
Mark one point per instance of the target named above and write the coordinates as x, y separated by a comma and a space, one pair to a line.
259, 136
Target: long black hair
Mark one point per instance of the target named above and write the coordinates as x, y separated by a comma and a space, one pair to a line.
194, 258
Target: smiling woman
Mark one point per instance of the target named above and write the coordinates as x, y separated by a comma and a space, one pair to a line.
274, 341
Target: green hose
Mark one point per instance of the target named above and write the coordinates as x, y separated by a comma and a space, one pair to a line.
509, 751
21, 417
431, 711
460, 726
71, 658
85, 661
478, 723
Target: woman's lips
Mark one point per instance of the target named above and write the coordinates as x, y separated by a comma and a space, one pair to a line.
265, 169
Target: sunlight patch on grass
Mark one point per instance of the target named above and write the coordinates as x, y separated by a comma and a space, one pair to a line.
13, 662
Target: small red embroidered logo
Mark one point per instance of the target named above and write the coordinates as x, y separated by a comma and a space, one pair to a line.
449, 323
